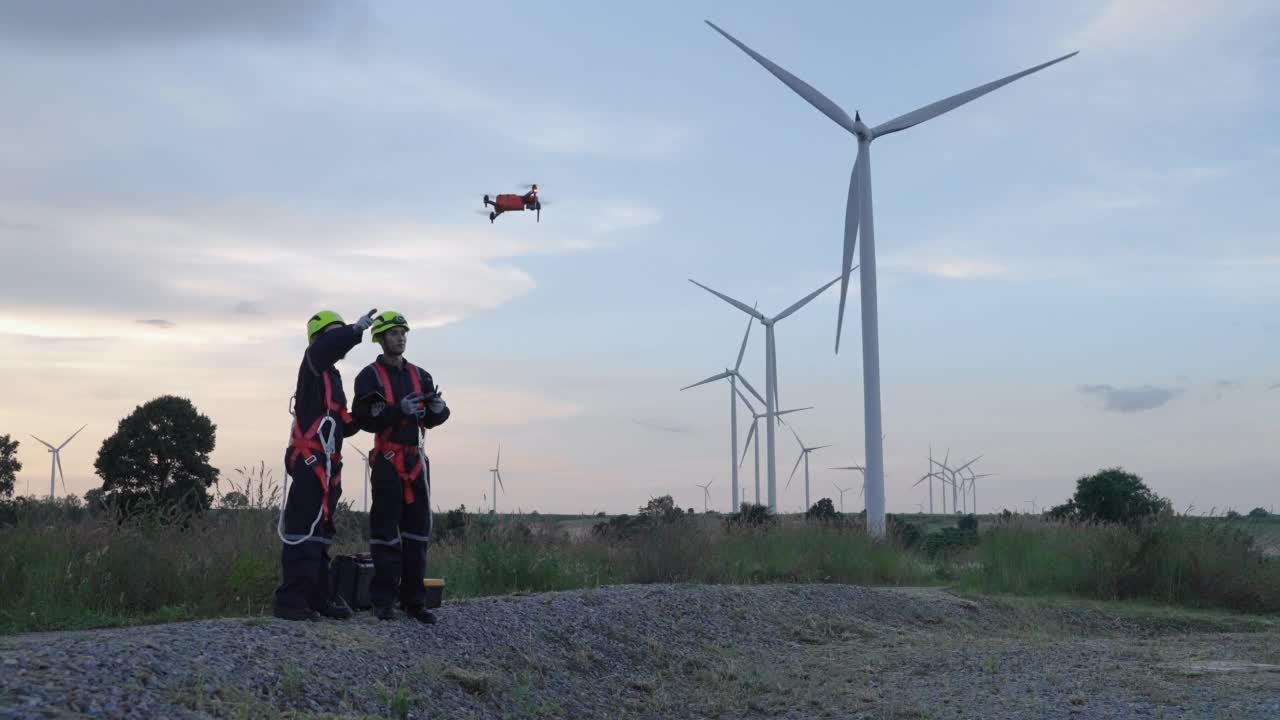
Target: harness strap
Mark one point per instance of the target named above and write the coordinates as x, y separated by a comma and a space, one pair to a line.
397, 453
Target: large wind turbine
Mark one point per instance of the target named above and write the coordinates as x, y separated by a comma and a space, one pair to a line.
858, 218
770, 374
55, 466
733, 376
497, 479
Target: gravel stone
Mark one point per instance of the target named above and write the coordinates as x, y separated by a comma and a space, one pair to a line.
660, 651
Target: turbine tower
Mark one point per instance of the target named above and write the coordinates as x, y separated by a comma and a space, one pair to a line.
496, 472
733, 376
770, 374
55, 466
859, 219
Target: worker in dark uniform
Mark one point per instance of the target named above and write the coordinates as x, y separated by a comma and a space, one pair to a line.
397, 401
314, 462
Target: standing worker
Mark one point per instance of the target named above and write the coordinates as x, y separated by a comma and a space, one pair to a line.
397, 401
314, 462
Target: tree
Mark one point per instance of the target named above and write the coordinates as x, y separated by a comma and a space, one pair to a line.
9, 466
824, 509
661, 508
235, 500
1113, 495
158, 458
1258, 513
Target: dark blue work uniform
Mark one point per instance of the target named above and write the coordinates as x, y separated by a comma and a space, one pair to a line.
400, 480
313, 460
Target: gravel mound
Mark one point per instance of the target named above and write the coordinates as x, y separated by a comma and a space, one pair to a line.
650, 651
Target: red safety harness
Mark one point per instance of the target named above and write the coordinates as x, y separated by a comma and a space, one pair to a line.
308, 444
393, 452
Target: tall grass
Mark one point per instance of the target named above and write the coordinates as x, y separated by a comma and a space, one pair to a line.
61, 568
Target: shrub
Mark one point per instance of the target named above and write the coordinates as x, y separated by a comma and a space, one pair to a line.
823, 510
1258, 513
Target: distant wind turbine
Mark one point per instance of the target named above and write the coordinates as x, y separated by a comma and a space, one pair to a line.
706, 494
733, 376
753, 433
804, 455
771, 374
55, 466
497, 479
367, 472
859, 218
842, 492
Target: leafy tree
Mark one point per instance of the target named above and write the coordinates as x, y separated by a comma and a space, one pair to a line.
1112, 495
1233, 515
824, 509
661, 508
1258, 513
235, 500
158, 458
9, 466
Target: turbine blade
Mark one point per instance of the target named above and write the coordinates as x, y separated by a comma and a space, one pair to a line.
805, 300
64, 442
43, 443
744, 400
819, 447
793, 471
743, 350
736, 303
933, 110
801, 88
785, 412
797, 437
497, 462
58, 459
757, 395
713, 378
852, 218
746, 446
500, 484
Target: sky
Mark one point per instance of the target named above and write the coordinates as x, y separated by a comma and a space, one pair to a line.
1078, 271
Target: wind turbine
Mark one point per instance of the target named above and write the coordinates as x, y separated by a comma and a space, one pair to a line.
842, 492
367, 471
804, 455
770, 373
861, 491
706, 494
733, 376
55, 467
755, 423
859, 218
497, 479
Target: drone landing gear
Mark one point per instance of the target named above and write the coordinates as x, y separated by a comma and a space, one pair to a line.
492, 215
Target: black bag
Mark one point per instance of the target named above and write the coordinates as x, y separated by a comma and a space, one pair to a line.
351, 575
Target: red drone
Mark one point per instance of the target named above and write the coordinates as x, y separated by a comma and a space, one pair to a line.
510, 202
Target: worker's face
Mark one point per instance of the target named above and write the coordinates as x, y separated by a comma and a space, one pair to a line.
394, 341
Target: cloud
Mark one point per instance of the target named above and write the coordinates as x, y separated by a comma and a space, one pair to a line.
114, 23
1274, 386
1221, 388
158, 322
1131, 400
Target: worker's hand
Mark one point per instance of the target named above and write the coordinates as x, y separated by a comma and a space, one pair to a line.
363, 323
412, 404
436, 404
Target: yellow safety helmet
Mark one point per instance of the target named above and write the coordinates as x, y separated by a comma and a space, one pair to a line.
320, 321
386, 321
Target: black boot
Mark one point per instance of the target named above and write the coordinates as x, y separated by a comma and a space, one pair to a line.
421, 614
337, 611
386, 612
290, 614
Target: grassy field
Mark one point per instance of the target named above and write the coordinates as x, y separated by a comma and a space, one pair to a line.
69, 569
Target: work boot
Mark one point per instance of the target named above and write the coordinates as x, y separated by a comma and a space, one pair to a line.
386, 612
291, 614
421, 614
336, 611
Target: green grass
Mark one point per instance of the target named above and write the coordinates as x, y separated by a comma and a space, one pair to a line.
75, 570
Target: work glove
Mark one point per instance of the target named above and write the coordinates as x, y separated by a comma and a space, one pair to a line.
436, 404
411, 404
365, 322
